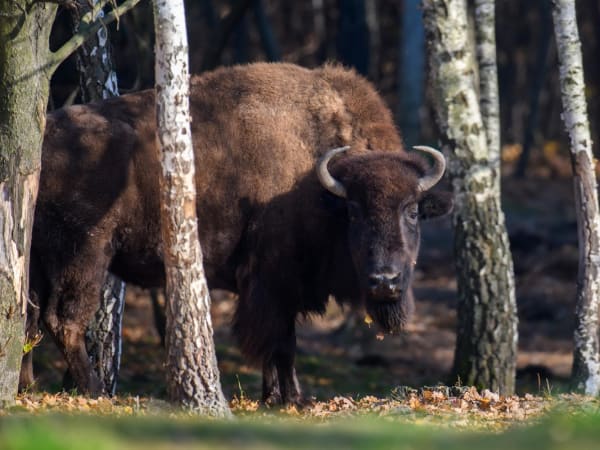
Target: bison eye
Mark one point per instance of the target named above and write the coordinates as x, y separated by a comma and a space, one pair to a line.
412, 213
354, 211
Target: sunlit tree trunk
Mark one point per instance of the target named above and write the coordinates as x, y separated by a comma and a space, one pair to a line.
23, 98
98, 80
487, 322
26, 65
192, 372
485, 32
586, 364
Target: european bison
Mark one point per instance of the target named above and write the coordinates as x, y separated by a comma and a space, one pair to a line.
281, 223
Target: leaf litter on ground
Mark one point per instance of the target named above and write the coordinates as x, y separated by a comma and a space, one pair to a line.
447, 407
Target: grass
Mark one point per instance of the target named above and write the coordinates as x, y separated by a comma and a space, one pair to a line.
64, 432
428, 418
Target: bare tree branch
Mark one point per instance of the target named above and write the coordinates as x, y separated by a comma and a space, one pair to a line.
86, 29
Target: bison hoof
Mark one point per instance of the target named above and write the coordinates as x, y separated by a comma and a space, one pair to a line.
302, 402
275, 400
91, 387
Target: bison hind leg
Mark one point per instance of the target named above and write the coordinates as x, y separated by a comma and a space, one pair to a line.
74, 298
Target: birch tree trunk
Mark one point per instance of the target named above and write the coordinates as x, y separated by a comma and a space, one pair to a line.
586, 364
192, 372
485, 36
486, 346
97, 76
98, 80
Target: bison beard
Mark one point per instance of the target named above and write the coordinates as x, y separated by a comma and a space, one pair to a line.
269, 229
392, 317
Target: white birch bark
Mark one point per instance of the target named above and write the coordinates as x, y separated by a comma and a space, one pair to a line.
94, 62
98, 80
485, 32
192, 372
586, 363
486, 346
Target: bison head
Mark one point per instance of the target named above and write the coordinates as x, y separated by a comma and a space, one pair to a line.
383, 196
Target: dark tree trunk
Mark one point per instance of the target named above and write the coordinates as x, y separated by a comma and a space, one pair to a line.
212, 56
267, 36
353, 35
410, 74
538, 80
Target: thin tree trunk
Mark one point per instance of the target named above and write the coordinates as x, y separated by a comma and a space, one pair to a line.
265, 30
586, 364
410, 74
353, 35
485, 37
372, 19
192, 372
487, 322
226, 26
538, 79
98, 80
320, 29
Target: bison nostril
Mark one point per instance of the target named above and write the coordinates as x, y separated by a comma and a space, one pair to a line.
384, 282
375, 281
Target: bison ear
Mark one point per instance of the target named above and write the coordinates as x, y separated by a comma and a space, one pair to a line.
435, 204
333, 204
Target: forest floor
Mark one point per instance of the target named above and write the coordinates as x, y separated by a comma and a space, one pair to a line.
348, 370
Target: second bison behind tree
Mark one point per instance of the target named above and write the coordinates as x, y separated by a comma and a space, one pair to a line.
281, 223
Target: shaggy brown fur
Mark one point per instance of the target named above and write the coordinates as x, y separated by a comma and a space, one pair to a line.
268, 230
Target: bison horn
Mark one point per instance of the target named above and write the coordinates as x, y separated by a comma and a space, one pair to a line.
435, 173
328, 182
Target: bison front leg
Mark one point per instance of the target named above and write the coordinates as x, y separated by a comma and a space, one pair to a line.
280, 384
266, 332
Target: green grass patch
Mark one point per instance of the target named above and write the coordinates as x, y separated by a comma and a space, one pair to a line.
64, 432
